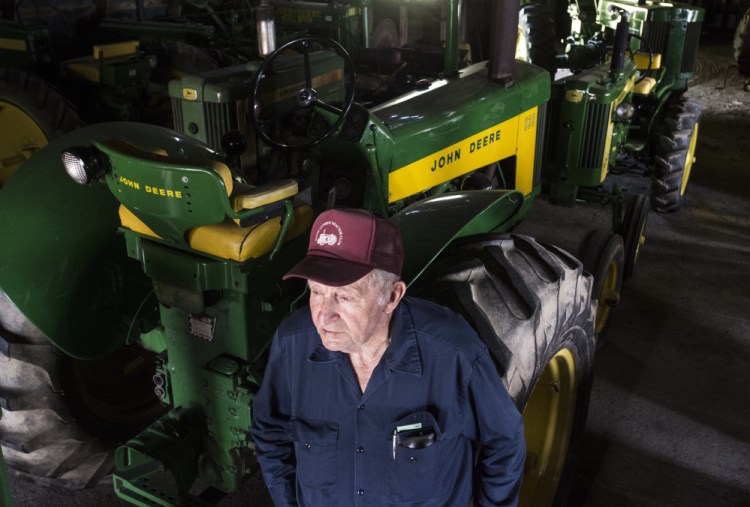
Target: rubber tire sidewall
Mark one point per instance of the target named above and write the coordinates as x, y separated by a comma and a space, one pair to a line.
597, 251
532, 292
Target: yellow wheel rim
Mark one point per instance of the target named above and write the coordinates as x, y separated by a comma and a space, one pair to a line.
608, 297
689, 159
21, 138
548, 421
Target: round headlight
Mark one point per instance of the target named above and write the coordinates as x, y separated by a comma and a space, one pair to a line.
81, 164
625, 111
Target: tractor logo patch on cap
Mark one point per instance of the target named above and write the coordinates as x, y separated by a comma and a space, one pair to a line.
329, 234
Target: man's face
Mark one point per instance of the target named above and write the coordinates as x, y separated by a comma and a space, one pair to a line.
348, 318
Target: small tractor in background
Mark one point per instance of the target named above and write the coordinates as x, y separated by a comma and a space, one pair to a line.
160, 331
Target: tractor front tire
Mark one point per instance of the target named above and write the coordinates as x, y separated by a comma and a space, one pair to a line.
602, 254
532, 306
32, 113
62, 417
674, 155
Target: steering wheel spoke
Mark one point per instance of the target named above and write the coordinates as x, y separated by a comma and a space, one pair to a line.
328, 107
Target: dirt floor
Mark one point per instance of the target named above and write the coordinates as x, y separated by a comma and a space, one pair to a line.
668, 421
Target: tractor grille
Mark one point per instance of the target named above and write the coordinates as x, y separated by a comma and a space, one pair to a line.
594, 138
219, 118
177, 117
691, 46
656, 34
539, 152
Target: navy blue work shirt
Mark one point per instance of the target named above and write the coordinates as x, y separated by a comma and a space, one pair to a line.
322, 442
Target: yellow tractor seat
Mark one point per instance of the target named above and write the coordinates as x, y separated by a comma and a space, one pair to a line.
231, 239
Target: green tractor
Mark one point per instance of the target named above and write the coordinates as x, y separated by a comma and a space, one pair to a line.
137, 309
617, 107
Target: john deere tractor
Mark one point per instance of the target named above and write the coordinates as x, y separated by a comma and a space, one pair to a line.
137, 308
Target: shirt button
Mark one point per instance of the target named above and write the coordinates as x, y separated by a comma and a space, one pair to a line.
361, 492
361, 407
360, 450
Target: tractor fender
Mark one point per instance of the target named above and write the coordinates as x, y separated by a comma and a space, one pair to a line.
65, 274
429, 226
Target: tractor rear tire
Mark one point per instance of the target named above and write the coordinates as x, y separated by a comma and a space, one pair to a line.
537, 41
32, 113
63, 418
531, 304
674, 156
602, 254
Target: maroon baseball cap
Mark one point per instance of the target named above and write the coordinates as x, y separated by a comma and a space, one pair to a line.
345, 245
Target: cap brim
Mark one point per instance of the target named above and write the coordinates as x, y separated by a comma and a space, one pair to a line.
328, 271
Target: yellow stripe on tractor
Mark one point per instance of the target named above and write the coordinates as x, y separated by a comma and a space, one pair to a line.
513, 137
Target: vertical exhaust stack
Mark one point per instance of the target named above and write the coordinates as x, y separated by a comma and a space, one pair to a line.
620, 46
503, 34
266, 28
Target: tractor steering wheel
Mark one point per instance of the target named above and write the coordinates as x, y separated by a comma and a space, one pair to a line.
299, 119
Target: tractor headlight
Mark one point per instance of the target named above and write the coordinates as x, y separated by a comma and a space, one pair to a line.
625, 111
81, 164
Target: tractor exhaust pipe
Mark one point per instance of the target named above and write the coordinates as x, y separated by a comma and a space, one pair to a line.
503, 34
620, 46
266, 28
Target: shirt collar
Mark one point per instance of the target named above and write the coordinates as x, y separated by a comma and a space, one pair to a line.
403, 353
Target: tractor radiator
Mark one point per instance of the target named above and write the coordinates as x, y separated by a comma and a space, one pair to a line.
656, 35
594, 135
219, 118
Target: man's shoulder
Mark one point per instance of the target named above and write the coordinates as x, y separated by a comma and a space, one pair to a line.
299, 323
441, 325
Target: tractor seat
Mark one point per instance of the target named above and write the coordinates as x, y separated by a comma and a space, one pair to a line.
228, 240
215, 215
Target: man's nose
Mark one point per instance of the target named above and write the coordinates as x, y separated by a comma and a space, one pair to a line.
328, 309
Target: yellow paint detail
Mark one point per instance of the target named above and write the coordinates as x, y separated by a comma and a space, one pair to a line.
255, 197
118, 49
516, 136
641, 60
82, 69
13, 44
132, 222
21, 138
548, 422
189, 94
221, 169
645, 86
574, 96
611, 126
228, 241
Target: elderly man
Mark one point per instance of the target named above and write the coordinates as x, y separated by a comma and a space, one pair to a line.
371, 397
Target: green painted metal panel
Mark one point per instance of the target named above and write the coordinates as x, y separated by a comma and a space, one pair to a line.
429, 226
424, 122
64, 266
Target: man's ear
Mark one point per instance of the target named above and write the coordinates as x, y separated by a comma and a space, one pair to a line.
397, 293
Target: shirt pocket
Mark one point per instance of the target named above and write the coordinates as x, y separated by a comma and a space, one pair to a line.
412, 464
315, 451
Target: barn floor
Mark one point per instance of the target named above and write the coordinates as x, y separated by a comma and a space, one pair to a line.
669, 420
